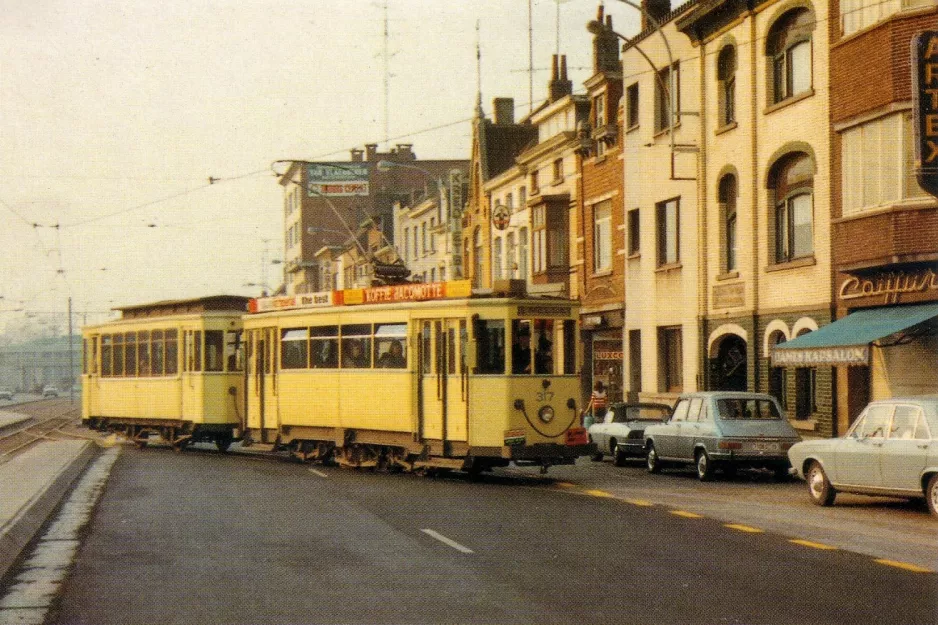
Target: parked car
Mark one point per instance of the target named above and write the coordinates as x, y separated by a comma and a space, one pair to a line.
6, 393
621, 433
50, 391
725, 430
891, 449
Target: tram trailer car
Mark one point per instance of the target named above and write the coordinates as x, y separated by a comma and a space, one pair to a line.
171, 368
415, 377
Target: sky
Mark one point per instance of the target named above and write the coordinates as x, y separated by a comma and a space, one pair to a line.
114, 115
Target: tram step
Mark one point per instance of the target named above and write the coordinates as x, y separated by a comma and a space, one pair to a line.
442, 463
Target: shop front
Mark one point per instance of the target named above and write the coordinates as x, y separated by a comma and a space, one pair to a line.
884, 345
603, 355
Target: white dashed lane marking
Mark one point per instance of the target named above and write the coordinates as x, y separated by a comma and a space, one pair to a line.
447, 541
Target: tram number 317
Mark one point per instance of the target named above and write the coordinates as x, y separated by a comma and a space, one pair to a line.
545, 396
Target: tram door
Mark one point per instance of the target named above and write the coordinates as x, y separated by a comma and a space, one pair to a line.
443, 388
262, 414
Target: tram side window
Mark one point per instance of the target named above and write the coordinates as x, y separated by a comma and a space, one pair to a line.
118, 364
569, 347
426, 353
293, 348
356, 346
107, 355
214, 344
324, 347
172, 352
130, 354
193, 348
157, 352
143, 353
84, 357
490, 343
233, 352
390, 345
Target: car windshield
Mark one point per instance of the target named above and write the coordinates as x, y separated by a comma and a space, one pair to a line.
648, 413
747, 409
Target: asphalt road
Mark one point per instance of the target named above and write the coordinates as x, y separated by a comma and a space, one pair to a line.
202, 537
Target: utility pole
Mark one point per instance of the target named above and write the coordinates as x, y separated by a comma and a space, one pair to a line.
71, 356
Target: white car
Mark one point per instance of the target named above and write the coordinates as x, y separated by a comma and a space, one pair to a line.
50, 391
621, 433
891, 449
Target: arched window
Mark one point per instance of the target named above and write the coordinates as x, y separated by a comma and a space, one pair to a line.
789, 49
726, 77
792, 183
727, 199
478, 252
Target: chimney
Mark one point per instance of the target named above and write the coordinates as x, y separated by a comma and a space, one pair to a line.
504, 110
405, 152
357, 155
658, 10
559, 86
605, 46
371, 151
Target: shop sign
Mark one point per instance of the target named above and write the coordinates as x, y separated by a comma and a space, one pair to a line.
850, 355
304, 300
337, 179
889, 285
925, 92
501, 216
729, 295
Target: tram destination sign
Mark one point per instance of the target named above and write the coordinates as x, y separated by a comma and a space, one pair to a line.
925, 92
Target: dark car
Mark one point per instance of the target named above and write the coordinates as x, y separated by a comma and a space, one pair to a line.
6, 393
621, 433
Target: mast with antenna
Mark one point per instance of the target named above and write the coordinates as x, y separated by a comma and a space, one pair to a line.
479, 112
387, 77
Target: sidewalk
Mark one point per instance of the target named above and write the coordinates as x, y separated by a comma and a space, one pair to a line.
31, 486
8, 418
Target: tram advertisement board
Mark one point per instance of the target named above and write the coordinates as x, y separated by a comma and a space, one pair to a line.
925, 93
303, 300
415, 292
337, 179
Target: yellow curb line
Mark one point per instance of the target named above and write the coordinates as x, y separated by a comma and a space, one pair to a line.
639, 502
744, 528
903, 565
808, 543
686, 515
592, 492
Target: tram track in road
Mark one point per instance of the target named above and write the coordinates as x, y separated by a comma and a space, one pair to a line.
47, 420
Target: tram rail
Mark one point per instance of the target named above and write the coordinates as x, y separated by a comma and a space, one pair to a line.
47, 421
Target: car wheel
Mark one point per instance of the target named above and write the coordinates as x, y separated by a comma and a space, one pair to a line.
819, 487
618, 455
651, 460
598, 456
704, 466
931, 494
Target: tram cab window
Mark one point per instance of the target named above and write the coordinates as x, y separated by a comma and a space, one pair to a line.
214, 345
172, 352
490, 343
293, 348
356, 346
324, 347
520, 346
390, 345
193, 340
543, 346
234, 356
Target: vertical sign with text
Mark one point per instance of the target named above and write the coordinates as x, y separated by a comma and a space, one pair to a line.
925, 94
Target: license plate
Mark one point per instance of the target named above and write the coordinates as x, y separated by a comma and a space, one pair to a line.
514, 437
766, 447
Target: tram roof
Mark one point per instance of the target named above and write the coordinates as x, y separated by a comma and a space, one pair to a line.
212, 303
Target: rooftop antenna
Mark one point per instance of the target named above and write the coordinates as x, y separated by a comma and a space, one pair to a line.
387, 77
479, 112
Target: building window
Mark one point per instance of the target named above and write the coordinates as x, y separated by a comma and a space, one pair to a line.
523, 253
510, 201
726, 77
792, 181
805, 392
727, 200
635, 361
522, 198
511, 264
539, 226
477, 274
602, 236
416, 247
497, 259
535, 189
670, 358
858, 14
878, 164
789, 48
558, 171
631, 103
406, 244
668, 80
668, 231
599, 110
634, 233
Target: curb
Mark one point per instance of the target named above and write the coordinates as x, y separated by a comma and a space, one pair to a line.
18, 532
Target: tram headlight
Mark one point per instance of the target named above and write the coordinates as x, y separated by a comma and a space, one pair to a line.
546, 414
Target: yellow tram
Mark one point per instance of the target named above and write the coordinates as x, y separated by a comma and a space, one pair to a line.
170, 368
415, 376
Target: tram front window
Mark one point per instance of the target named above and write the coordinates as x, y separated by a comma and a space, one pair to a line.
213, 350
534, 346
490, 342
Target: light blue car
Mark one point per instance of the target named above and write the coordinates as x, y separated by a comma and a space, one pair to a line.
891, 449
725, 430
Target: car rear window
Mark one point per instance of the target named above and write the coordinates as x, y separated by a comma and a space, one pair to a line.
747, 409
